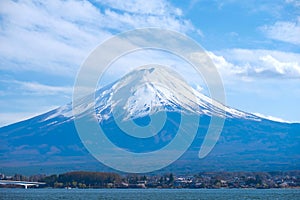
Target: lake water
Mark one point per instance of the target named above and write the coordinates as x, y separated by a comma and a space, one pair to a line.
148, 194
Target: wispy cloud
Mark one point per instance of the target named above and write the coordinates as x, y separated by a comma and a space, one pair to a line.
154, 7
47, 36
134, 14
286, 31
42, 89
34, 88
56, 36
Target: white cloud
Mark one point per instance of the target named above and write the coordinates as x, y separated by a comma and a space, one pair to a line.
249, 64
286, 31
225, 68
256, 79
289, 69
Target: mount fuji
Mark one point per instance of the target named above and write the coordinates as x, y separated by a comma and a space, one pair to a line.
49, 143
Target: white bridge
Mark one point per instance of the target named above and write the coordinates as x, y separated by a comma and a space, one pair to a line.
23, 183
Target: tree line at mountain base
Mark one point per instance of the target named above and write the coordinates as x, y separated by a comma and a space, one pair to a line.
84, 179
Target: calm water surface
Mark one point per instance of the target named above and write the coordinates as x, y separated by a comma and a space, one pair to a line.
147, 194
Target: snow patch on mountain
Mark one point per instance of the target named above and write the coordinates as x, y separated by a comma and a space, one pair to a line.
272, 118
63, 111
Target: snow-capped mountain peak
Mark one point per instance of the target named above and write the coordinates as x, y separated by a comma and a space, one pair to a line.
150, 89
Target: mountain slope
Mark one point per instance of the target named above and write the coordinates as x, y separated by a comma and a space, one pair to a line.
50, 143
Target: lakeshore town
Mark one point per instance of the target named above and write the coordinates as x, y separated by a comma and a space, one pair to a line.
209, 180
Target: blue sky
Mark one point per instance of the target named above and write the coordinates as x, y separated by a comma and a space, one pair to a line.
255, 45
